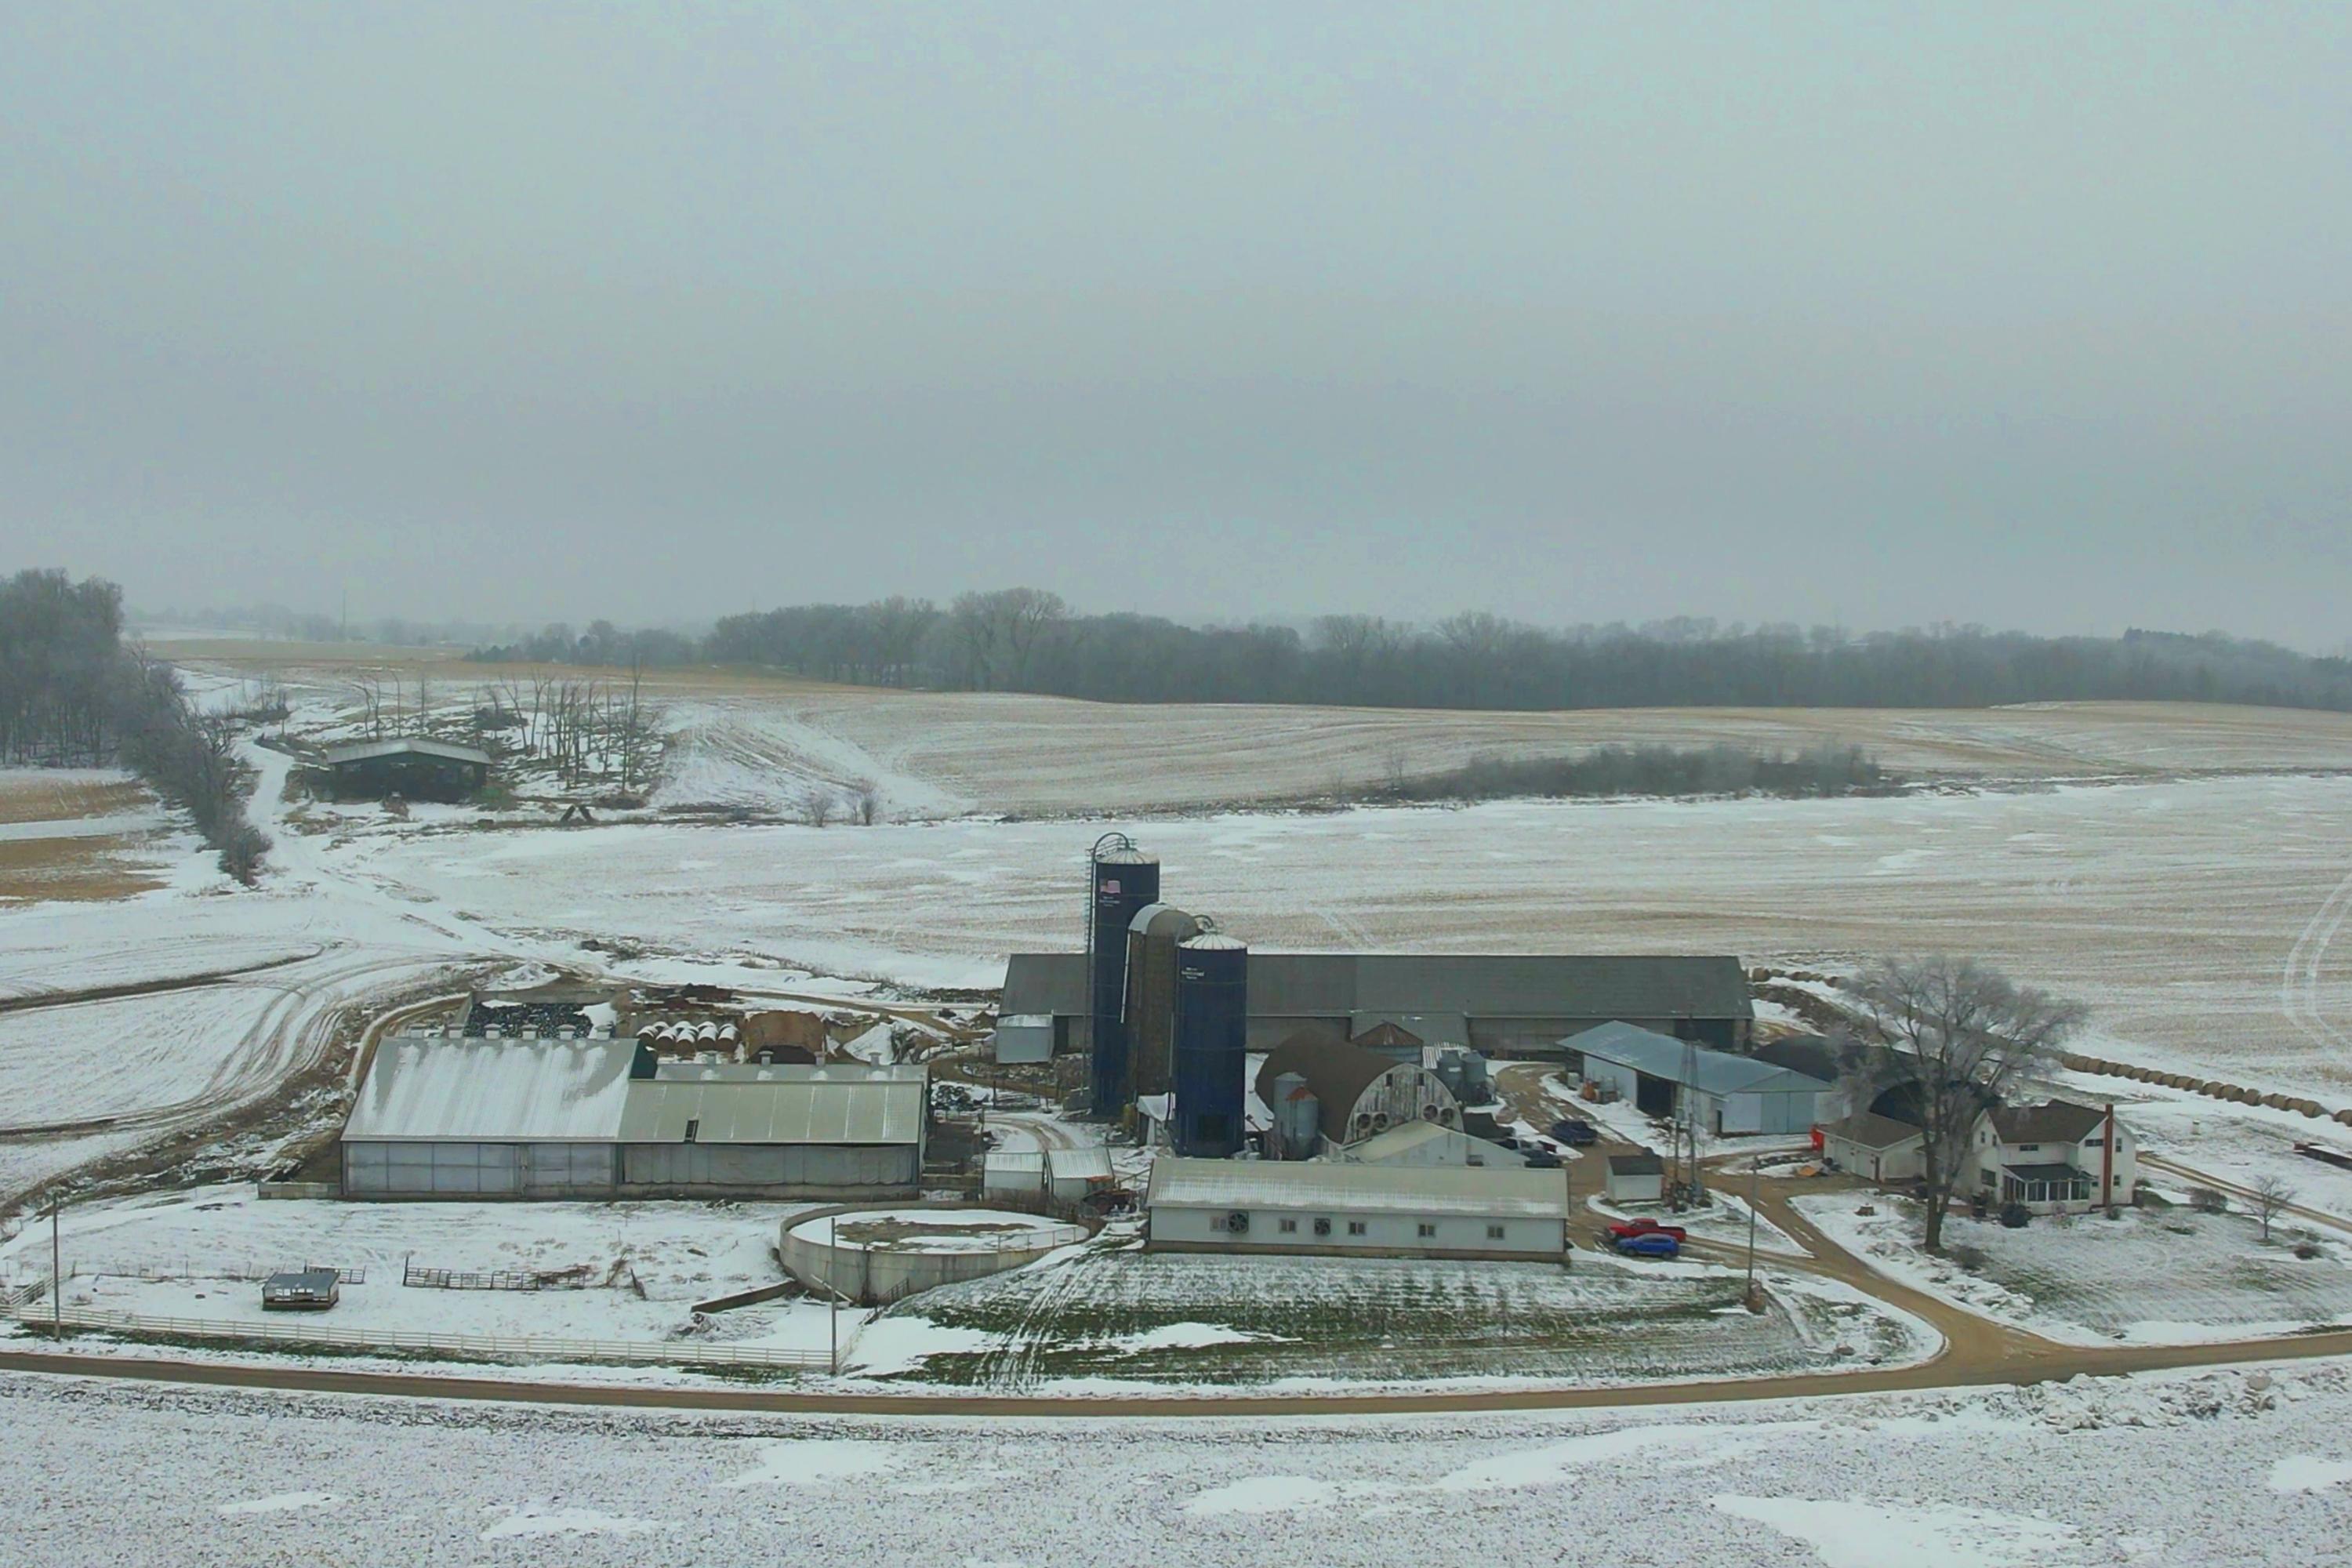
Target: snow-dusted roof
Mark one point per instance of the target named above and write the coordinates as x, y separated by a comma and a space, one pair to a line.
368, 751
1662, 1055
820, 1105
1089, 1163
1337, 1188
511, 1091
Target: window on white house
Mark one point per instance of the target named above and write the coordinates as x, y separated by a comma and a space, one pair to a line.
2028, 1148
1493, 1233
1426, 1229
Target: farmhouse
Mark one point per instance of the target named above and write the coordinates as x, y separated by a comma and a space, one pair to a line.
1355, 1210
1325, 1094
2053, 1157
1514, 1004
603, 1118
1734, 1094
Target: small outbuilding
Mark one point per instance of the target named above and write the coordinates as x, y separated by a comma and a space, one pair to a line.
1875, 1148
301, 1290
1025, 1038
411, 768
1635, 1179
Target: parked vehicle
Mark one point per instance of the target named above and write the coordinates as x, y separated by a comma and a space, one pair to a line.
1575, 1134
1624, 1229
1649, 1244
1542, 1159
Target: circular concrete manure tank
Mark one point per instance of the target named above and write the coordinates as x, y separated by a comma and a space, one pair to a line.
875, 1256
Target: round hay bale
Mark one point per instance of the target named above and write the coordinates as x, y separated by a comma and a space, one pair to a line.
2345, 1117
2311, 1108
2275, 1101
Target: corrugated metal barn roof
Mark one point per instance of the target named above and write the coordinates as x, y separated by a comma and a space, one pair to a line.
1358, 1189
837, 1109
368, 751
1659, 1055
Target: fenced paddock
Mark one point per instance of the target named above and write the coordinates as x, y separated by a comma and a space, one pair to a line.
515, 1351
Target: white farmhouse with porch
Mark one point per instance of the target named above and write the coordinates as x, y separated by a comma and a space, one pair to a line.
2053, 1158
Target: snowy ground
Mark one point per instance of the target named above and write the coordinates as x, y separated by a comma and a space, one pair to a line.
2166, 906
1111, 1313
2149, 1277
678, 1254
1990, 1479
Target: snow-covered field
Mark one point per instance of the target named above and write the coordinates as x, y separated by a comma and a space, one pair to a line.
2198, 918
2148, 1276
1113, 1313
648, 1263
2251, 1465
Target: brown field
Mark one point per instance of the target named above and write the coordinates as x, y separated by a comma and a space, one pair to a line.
27, 797
74, 871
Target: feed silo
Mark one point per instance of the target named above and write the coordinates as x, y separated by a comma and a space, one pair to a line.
1121, 880
1212, 1045
1297, 1119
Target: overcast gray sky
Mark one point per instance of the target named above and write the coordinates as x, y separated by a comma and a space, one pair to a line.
2036, 315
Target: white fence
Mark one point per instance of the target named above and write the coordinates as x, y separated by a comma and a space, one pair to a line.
454, 1347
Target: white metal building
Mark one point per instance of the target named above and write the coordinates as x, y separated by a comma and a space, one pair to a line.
1027, 1037
1635, 1179
1429, 1144
1332, 1207
571, 1118
1735, 1094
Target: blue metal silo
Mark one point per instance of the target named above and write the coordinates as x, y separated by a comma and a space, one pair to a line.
1121, 880
1212, 1045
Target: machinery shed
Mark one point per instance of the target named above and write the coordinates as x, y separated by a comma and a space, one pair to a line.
1734, 1094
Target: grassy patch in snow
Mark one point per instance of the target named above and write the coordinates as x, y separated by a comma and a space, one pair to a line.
1117, 1312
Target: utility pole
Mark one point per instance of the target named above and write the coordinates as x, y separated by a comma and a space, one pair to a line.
2108, 1163
832, 1286
56, 1282
1755, 1303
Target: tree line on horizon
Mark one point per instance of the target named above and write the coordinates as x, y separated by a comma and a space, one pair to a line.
1029, 641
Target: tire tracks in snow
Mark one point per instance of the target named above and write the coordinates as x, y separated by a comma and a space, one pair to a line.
2299, 977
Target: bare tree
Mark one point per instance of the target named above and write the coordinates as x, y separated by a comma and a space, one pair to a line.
2270, 1196
866, 802
819, 805
1958, 1036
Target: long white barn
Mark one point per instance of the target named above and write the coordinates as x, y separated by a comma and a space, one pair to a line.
571, 1118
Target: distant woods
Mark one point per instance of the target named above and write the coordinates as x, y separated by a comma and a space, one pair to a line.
1647, 771
1024, 639
71, 695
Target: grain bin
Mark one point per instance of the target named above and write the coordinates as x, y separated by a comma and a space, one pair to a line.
1212, 1045
1121, 880
1298, 1117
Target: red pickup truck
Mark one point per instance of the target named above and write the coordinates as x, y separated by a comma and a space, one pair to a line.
1630, 1227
